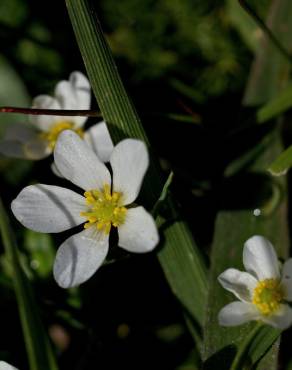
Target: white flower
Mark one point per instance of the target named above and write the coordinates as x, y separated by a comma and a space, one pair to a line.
37, 140
52, 209
263, 291
6, 366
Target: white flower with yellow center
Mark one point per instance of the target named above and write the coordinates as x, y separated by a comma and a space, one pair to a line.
263, 291
106, 204
37, 139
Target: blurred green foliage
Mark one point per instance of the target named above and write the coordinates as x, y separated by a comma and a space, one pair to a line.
195, 42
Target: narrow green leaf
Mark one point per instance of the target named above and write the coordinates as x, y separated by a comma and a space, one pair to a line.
271, 70
187, 91
38, 347
280, 104
282, 163
163, 195
179, 255
194, 118
241, 355
245, 25
261, 343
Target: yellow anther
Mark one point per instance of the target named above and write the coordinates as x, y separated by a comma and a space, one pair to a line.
267, 296
52, 135
104, 209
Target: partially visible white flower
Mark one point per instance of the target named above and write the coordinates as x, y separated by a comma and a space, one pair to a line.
99, 140
37, 139
106, 203
263, 291
6, 366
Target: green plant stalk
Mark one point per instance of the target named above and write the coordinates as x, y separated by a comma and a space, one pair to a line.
38, 348
269, 62
277, 43
238, 361
179, 256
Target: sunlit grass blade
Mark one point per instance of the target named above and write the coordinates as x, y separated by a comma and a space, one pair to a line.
282, 163
245, 25
179, 256
37, 344
280, 104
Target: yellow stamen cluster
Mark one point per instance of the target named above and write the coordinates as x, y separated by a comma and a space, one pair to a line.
104, 209
267, 296
52, 135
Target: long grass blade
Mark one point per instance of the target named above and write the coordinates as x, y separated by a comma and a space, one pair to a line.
179, 256
38, 347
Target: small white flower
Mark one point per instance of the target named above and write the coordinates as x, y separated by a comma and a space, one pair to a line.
6, 366
37, 140
263, 291
53, 209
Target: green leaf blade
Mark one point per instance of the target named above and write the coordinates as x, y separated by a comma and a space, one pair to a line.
38, 347
179, 256
277, 106
282, 163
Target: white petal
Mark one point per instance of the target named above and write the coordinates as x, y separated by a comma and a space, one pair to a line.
241, 284
20, 132
78, 163
48, 209
81, 88
74, 94
44, 123
287, 279
36, 149
55, 170
65, 95
99, 140
237, 313
79, 257
129, 162
6, 366
139, 233
260, 259
282, 319
22, 141
12, 149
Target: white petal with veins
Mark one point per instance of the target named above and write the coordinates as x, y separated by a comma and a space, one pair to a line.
48, 208
79, 257
129, 162
260, 259
78, 163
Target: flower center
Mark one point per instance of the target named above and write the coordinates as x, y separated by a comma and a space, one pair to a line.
267, 296
52, 135
104, 209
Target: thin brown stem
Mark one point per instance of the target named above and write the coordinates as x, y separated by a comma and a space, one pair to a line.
51, 112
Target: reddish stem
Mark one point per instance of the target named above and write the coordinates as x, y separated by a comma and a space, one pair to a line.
51, 112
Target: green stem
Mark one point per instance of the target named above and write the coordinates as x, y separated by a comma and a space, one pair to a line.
38, 347
237, 362
266, 30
